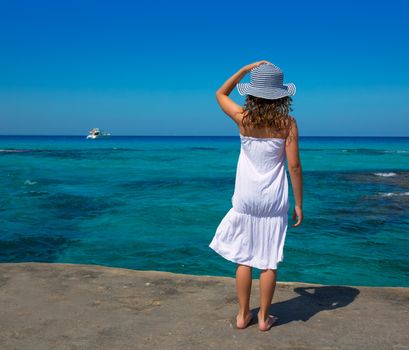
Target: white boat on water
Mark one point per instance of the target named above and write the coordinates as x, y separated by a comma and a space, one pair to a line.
95, 133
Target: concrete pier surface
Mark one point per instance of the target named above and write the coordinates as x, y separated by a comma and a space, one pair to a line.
70, 306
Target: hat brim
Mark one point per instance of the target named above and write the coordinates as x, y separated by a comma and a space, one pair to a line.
267, 93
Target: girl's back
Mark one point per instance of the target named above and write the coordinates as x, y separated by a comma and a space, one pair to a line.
261, 184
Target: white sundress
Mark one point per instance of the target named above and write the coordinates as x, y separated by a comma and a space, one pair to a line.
253, 231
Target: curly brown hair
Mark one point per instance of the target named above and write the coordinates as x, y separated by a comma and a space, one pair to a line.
260, 112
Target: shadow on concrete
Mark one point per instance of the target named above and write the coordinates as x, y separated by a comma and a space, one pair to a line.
311, 301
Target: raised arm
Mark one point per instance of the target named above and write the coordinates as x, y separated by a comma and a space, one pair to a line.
232, 109
295, 170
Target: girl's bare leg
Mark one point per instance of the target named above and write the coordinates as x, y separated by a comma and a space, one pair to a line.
243, 287
268, 280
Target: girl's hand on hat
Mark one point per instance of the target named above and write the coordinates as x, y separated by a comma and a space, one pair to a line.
250, 66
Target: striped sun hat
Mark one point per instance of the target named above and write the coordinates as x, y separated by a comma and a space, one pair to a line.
266, 81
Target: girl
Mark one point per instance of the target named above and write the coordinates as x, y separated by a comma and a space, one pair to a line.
253, 232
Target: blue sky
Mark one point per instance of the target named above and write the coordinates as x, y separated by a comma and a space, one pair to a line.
152, 67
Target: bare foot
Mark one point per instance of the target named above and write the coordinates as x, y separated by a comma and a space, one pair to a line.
265, 325
242, 323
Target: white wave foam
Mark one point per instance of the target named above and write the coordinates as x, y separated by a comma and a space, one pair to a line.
14, 150
385, 174
390, 194
397, 151
28, 182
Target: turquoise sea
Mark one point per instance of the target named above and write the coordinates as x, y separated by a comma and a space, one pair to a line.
153, 203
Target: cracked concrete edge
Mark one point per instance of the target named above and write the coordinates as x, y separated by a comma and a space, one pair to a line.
151, 273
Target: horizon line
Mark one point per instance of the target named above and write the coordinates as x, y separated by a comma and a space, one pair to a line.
81, 135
